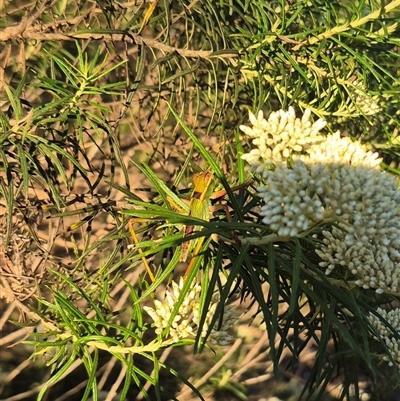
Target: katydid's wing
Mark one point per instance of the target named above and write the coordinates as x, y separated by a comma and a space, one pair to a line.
199, 208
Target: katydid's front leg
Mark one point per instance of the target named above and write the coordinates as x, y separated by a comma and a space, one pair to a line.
200, 203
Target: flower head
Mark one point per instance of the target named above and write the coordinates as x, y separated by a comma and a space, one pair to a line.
162, 311
393, 344
365, 103
309, 179
366, 239
186, 322
280, 136
291, 202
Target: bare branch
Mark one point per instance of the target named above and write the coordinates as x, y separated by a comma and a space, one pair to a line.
24, 32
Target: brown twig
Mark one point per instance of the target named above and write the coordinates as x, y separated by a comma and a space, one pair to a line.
25, 32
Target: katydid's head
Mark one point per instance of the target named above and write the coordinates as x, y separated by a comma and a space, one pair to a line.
203, 187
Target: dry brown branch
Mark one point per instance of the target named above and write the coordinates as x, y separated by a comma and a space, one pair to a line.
33, 33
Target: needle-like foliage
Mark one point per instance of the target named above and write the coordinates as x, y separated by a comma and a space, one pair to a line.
109, 109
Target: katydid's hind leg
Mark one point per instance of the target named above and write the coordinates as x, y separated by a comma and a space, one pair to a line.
195, 256
201, 240
131, 222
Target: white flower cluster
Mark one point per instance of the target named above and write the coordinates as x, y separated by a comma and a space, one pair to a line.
290, 204
366, 241
283, 136
393, 344
335, 149
329, 179
186, 322
368, 105
280, 136
217, 336
308, 190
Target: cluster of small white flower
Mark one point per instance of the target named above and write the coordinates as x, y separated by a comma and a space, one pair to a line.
342, 151
181, 327
290, 204
277, 138
393, 344
308, 189
186, 322
220, 336
322, 179
366, 240
366, 104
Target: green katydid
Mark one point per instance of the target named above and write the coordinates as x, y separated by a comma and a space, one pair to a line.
199, 207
